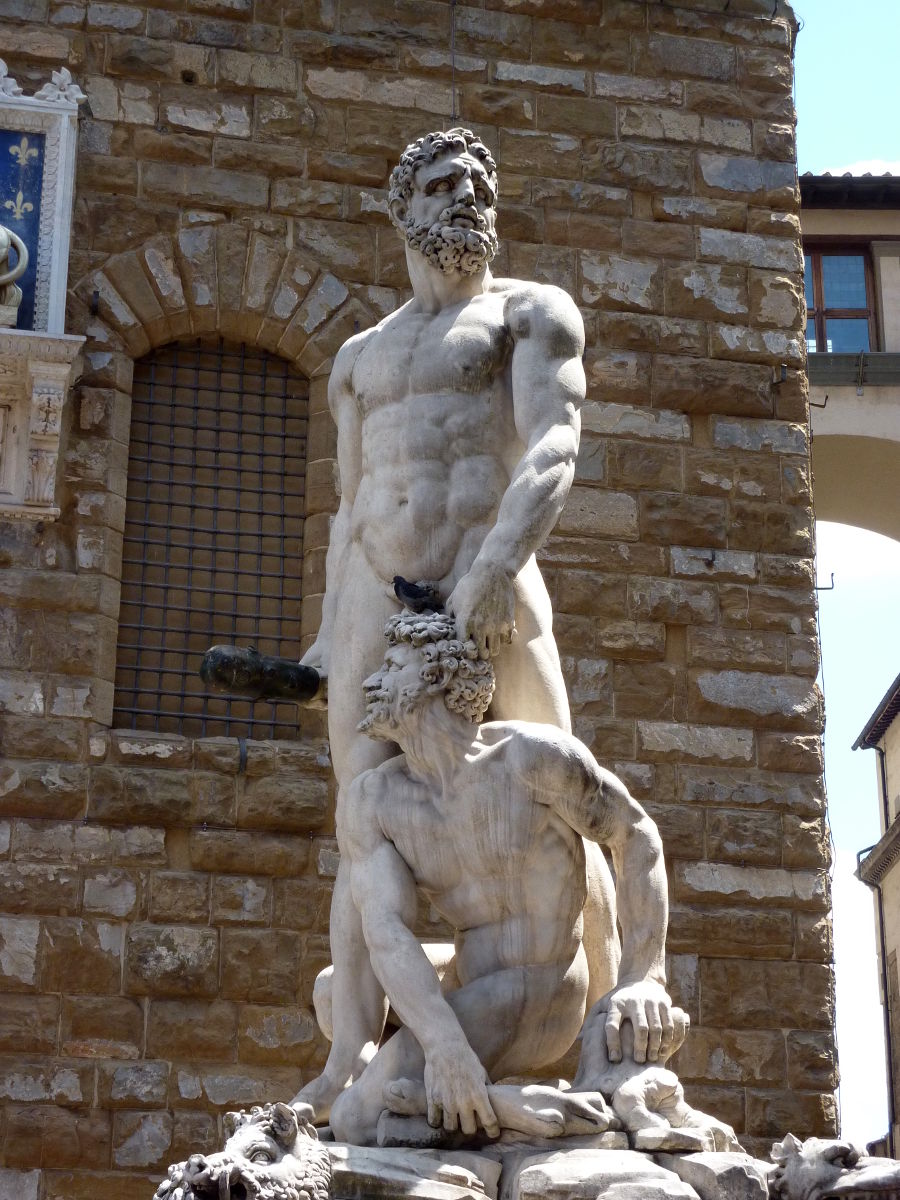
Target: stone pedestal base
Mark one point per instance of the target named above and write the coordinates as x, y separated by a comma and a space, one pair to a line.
518, 1172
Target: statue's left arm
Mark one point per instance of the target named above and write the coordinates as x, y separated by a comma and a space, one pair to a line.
548, 385
597, 805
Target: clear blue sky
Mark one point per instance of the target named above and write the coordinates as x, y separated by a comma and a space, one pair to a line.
848, 82
848, 98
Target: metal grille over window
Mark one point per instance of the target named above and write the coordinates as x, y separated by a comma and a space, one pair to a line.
213, 534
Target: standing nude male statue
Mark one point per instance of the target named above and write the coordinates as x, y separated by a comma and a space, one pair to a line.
458, 426
488, 822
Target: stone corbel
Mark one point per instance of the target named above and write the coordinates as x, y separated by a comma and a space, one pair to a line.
35, 373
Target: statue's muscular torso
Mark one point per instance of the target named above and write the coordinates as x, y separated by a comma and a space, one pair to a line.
498, 864
439, 443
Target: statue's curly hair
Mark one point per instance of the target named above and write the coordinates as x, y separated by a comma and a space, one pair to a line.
426, 149
450, 665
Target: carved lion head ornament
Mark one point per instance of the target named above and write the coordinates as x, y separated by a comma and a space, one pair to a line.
820, 1168
270, 1154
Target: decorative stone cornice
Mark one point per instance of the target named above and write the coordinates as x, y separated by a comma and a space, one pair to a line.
35, 372
882, 857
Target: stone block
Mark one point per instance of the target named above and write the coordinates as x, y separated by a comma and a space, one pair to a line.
732, 1056
643, 167
101, 1027
672, 601
600, 513
112, 893
56, 1082
81, 956
19, 1185
133, 1085
179, 896
766, 701
19, 941
150, 58
642, 465
28, 1024
142, 1139
770, 790
806, 842
706, 386
37, 888
749, 249
632, 640
586, 231
744, 649
776, 299
284, 803
172, 960
691, 210
661, 741
811, 1061
668, 518
586, 1174
281, 1036
611, 281
42, 789
692, 57
777, 437
717, 1176
745, 837
712, 473
707, 292
726, 932
646, 690
680, 828
628, 420
768, 1112
260, 966
751, 178
660, 335
59, 739
192, 1030
170, 797
56, 1137
715, 883
814, 940
237, 900
302, 903
782, 528
250, 853
765, 995
219, 1088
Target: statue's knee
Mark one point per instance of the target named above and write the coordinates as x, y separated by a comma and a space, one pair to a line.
347, 1122
322, 1001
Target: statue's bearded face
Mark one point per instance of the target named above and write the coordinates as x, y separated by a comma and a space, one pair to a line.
450, 216
393, 692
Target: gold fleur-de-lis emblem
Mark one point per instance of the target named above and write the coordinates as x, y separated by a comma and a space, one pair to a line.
23, 152
19, 207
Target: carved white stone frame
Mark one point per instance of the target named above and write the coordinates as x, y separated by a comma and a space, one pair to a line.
35, 372
52, 111
36, 366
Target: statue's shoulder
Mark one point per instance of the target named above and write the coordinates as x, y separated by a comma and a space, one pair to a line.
541, 309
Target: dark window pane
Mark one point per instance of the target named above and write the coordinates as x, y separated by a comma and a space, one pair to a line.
808, 281
844, 280
200, 564
847, 335
811, 337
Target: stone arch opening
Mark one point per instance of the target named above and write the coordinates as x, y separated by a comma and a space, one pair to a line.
218, 279
855, 481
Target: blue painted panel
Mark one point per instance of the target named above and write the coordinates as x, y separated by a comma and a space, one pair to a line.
21, 179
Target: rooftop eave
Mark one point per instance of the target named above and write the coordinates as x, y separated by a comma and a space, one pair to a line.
876, 865
881, 719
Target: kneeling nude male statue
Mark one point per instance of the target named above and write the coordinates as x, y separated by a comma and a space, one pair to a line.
488, 821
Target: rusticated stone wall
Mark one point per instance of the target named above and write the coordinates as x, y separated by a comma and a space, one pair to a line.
165, 900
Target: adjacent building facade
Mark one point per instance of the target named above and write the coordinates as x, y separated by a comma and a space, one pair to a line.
166, 858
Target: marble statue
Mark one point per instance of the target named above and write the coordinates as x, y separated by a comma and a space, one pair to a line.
458, 426
10, 293
487, 821
270, 1154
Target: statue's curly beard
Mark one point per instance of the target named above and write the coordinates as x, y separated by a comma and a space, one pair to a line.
382, 717
450, 248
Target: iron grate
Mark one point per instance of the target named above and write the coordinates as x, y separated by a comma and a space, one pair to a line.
213, 534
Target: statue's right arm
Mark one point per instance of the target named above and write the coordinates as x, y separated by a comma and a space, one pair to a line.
345, 411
